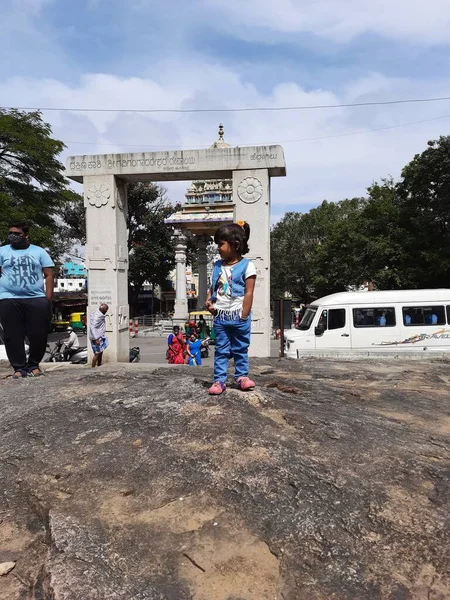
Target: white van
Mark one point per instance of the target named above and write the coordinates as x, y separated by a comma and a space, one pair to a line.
382, 321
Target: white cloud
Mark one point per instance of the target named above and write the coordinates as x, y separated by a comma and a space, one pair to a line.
330, 168
340, 20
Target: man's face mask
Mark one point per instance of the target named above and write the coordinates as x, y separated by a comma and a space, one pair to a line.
18, 241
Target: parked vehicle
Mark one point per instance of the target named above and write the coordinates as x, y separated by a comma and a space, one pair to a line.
376, 321
135, 354
78, 322
56, 354
59, 325
203, 315
204, 349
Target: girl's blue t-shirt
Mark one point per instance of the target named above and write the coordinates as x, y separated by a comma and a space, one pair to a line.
21, 272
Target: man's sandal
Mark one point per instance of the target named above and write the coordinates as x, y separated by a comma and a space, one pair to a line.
19, 374
36, 372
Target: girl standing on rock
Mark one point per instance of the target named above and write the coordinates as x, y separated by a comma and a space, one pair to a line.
230, 300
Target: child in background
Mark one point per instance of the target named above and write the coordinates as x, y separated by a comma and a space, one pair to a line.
194, 350
230, 300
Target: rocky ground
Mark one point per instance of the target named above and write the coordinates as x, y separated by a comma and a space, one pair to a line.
330, 481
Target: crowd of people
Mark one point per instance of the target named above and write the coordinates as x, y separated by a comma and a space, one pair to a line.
26, 290
184, 348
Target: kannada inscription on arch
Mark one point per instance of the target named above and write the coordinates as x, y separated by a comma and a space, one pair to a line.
169, 163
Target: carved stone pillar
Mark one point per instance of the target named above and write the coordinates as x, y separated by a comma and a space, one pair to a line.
105, 201
181, 305
202, 259
251, 196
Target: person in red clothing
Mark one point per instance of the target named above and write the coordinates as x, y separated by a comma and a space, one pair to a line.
176, 347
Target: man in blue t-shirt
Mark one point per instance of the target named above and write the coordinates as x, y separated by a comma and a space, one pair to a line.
25, 303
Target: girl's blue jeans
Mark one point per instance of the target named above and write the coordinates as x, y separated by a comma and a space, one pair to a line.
232, 341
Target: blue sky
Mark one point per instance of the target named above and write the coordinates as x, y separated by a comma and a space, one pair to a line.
203, 53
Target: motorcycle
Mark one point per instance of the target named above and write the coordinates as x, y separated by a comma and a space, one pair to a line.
80, 356
204, 349
135, 354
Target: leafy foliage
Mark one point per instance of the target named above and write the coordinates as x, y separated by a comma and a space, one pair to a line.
424, 199
32, 185
396, 237
150, 246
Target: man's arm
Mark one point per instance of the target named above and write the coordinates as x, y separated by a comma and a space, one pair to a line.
49, 277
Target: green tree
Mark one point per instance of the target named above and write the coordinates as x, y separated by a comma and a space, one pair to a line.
424, 201
301, 262
32, 184
366, 242
396, 237
150, 245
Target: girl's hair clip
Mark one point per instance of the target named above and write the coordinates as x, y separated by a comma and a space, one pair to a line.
240, 223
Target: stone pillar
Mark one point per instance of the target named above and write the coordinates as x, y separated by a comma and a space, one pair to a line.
202, 258
181, 305
107, 259
251, 197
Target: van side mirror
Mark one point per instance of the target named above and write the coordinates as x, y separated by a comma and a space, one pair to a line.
319, 329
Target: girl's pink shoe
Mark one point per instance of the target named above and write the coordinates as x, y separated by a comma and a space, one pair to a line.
217, 388
245, 384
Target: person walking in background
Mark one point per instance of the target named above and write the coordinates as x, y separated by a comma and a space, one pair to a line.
97, 334
25, 301
176, 347
230, 300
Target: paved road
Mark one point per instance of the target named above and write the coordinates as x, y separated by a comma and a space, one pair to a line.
153, 349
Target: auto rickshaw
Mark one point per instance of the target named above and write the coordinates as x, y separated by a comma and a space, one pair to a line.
78, 322
59, 324
204, 324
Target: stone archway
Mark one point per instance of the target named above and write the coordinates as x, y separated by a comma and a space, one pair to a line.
104, 178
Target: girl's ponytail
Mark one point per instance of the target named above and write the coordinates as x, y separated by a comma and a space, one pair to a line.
246, 231
246, 228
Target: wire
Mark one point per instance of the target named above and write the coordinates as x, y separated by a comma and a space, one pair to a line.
326, 137
228, 110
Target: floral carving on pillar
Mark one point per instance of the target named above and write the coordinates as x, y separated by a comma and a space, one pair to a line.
98, 195
250, 190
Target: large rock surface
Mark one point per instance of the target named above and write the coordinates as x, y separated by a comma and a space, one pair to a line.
330, 481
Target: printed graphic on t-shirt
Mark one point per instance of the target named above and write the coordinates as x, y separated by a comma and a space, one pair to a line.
229, 307
21, 273
224, 283
24, 273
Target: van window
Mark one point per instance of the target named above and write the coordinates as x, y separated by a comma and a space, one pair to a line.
333, 318
307, 319
374, 317
423, 315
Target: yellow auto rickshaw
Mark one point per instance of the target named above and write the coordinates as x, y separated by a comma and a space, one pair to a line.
78, 321
204, 324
